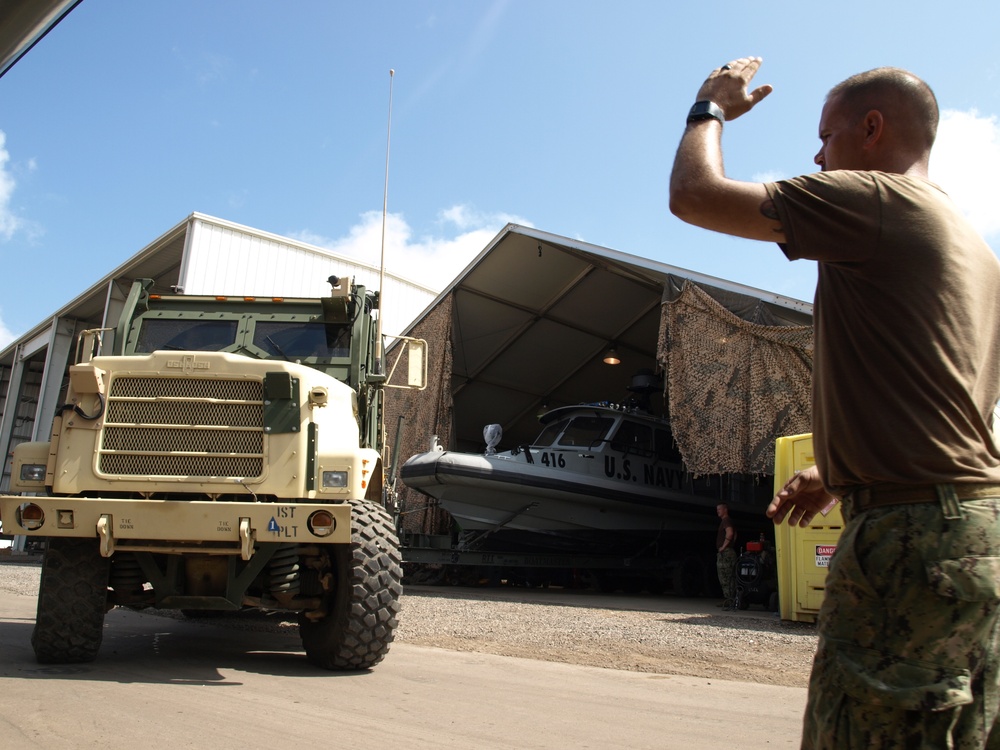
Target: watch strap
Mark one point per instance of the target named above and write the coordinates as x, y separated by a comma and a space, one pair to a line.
705, 110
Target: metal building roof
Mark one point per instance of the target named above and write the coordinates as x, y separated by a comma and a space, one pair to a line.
171, 260
24, 22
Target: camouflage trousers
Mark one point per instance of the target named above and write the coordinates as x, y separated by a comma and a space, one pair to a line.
725, 564
908, 647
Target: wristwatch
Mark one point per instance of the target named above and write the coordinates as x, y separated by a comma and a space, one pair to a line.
706, 110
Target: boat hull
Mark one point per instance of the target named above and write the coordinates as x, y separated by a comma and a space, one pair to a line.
572, 492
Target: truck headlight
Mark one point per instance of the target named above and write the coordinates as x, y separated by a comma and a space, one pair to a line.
322, 523
334, 479
32, 472
30, 516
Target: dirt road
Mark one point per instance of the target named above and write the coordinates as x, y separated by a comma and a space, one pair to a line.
165, 684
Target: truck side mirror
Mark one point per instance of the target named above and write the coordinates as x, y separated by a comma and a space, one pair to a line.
416, 355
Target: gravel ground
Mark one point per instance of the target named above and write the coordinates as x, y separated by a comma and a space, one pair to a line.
653, 634
663, 635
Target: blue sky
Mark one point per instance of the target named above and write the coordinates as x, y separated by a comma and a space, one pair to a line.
559, 114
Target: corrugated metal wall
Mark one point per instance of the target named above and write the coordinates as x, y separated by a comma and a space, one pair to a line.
223, 258
5, 376
24, 403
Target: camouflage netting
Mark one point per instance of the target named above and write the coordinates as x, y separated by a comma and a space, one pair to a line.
425, 413
734, 382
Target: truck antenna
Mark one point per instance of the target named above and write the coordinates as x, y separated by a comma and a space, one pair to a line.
379, 347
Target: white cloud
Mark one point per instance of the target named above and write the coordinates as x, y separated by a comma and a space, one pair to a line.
965, 162
770, 176
9, 222
432, 261
6, 335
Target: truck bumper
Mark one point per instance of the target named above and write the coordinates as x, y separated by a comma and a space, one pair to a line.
205, 527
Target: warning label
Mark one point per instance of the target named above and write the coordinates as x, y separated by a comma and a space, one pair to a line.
823, 553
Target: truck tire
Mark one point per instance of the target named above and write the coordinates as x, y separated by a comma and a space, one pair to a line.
72, 601
362, 609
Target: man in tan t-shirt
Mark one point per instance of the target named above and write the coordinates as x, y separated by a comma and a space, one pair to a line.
906, 375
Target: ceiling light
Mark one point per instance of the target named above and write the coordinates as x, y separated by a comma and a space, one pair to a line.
611, 356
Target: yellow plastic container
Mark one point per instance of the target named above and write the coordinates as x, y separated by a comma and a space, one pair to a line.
803, 553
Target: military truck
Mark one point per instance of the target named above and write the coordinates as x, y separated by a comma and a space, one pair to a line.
225, 455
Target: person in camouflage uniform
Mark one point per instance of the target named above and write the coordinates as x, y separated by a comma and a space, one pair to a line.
908, 630
725, 559
906, 376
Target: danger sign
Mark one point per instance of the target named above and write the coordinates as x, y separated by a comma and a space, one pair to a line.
823, 553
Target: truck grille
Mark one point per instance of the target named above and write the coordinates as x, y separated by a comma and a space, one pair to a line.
177, 427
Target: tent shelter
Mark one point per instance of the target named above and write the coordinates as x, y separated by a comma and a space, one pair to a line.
526, 326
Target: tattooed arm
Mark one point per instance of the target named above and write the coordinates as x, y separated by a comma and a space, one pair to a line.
700, 192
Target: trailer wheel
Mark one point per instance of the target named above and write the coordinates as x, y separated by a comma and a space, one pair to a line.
362, 608
205, 614
72, 601
689, 577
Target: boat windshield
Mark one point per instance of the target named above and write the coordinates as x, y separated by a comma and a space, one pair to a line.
666, 448
550, 433
586, 431
641, 439
633, 437
576, 431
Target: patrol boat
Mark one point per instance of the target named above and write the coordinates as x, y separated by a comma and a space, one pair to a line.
594, 468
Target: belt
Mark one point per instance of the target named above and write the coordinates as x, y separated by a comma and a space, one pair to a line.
880, 495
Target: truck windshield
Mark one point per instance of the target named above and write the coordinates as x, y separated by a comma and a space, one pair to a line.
185, 335
278, 339
302, 339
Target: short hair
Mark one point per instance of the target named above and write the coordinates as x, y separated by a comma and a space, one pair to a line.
897, 93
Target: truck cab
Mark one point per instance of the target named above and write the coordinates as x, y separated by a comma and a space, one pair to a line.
226, 454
